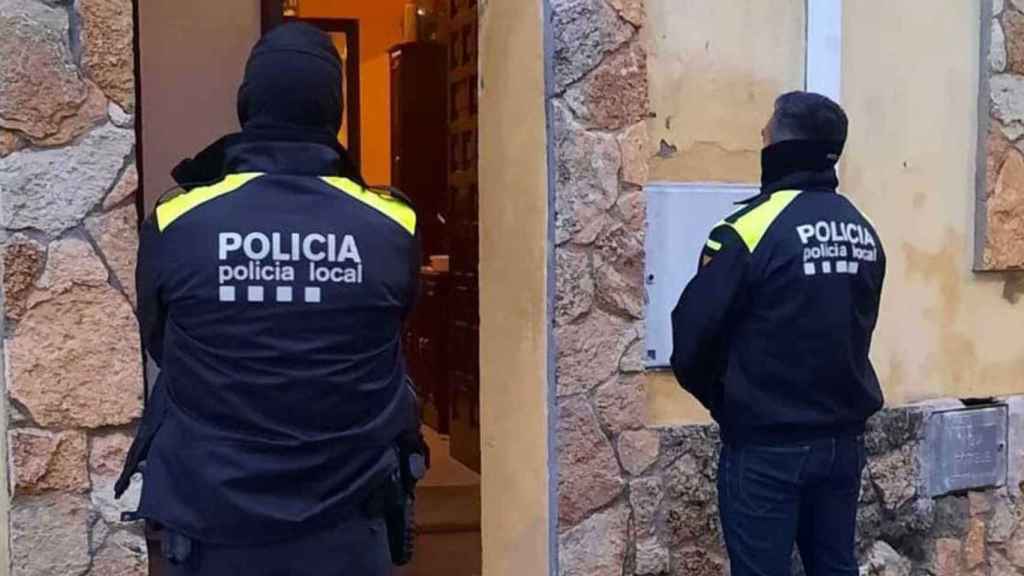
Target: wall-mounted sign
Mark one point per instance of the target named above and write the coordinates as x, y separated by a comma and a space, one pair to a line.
966, 449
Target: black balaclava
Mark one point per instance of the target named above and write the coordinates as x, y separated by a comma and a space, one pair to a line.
292, 80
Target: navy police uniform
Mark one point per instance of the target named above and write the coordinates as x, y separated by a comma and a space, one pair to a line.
272, 290
773, 336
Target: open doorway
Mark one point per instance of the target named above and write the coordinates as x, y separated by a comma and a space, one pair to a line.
411, 123
413, 66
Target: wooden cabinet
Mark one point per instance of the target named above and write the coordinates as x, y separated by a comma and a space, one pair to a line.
426, 349
419, 130
463, 225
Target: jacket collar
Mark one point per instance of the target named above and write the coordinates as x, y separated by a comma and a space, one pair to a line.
268, 150
821, 181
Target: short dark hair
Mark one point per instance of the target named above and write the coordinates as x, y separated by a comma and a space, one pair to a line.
808, 116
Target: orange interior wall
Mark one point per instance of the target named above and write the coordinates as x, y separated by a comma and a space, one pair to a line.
380, 28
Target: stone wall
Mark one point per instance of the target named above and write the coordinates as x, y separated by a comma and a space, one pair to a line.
73, 365
1001, 197
636, 500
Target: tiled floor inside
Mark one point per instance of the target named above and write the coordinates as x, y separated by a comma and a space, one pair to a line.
448, 513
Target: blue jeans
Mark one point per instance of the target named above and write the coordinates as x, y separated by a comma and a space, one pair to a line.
807, 493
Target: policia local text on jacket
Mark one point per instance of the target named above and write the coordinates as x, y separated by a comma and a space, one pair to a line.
773, 334
273, 288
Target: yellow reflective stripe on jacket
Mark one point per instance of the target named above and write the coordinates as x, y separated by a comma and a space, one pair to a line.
753, 225
178, 206
714, 245
392, 207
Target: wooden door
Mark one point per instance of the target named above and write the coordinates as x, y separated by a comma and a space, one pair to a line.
464, 312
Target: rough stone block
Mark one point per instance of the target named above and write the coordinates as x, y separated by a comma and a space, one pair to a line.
50, 536
632, 361
1003, 522
24, 259
894, 476
638, 450
652, 559
634, 145
41, 91
1013, 28
587, 173
588, 473
597, 547
589, 351
621, 403
92, 329
52, 190
691, 479
688, 523
974, 545
46, 461
107, 52
122, 554
632, 10
997, 50
106, 459
1007, 97
947, 557
119, 117
645, 498
116, 234
574, 294
1015, 457
980, 503
1005, 239
9, 142
614, 95
697, 561
883, 560
125, 188
619, 267
585, 31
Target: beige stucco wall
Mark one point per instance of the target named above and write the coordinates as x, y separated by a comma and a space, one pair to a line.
714, 69
514, 291
910, 87
911, 90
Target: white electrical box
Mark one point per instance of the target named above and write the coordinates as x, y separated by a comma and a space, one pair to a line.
679, 218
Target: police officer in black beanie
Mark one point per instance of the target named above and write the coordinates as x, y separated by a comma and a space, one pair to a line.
273, 284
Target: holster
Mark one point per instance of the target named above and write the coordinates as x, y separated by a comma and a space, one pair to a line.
400, 513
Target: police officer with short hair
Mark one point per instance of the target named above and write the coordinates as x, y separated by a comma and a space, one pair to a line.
773, 336
272, 290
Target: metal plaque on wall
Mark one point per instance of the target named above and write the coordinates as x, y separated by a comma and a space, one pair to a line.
966, 449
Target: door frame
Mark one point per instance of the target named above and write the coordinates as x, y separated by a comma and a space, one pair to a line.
272, 13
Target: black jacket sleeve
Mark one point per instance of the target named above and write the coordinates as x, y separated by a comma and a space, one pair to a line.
701, 321
152, 311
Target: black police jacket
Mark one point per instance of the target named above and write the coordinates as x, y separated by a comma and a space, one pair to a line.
272, 296
773, 333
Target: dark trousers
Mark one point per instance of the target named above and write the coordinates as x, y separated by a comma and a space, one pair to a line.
774, 496
358, 547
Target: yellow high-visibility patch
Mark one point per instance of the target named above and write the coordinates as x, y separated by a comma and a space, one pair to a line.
394, 208
178, 206
753, 225
714, 245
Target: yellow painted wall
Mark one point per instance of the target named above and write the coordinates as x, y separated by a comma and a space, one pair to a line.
911, 91
715, 69
910, 88
380, 28
514, 295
